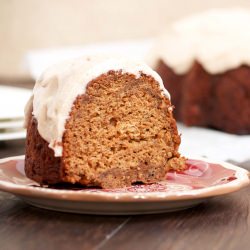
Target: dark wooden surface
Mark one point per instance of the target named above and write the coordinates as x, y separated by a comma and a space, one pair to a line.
220, 223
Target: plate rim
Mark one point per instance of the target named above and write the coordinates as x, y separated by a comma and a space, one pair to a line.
22, 91
14, 124
243, 180
10, 136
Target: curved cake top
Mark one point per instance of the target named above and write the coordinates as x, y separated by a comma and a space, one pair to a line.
57, 88
218, 39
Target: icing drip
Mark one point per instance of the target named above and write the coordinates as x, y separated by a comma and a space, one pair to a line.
218, 39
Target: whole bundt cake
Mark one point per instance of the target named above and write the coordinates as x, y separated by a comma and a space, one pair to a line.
100, 121
204, 61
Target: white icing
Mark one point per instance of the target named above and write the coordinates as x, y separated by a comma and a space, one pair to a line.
218, 39
57, 88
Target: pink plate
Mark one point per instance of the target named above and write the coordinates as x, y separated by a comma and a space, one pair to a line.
202, 179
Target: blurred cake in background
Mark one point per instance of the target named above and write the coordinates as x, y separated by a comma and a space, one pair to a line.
204, 61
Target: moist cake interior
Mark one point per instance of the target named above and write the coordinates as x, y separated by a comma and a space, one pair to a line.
121, 131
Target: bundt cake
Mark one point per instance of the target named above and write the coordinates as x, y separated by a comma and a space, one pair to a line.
204, 61
100, 121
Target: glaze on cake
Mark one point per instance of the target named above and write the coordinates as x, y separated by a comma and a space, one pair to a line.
100, 121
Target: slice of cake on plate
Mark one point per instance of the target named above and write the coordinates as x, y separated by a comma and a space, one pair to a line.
100, 121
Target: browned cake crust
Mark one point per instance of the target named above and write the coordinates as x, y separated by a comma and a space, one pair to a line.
218, 101
121, 131
40, 163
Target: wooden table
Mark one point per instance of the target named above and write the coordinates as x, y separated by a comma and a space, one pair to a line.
220, 223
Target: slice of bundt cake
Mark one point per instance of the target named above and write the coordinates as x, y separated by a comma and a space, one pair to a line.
100, 121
